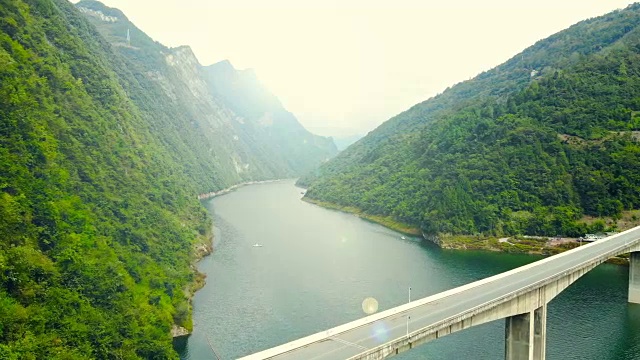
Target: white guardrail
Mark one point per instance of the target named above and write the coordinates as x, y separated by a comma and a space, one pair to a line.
326, 334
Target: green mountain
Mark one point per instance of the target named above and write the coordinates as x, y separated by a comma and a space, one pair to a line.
242, 92
343, 142
251, 138
528, 147
105, 143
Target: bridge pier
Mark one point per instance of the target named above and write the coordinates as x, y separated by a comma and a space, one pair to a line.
634, 277
525, 335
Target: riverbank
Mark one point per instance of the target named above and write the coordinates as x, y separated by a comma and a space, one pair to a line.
201, 250
532, 245
385, 221
209, 195
203, 246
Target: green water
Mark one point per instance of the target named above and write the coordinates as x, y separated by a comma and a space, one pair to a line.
316, 266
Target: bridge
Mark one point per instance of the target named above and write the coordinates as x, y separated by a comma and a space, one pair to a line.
520, 296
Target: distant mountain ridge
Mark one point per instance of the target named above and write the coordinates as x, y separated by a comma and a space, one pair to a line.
242, 92
343, 142
284, 149
528, 147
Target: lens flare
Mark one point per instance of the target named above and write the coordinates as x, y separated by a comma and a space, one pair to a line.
369, 305
380, 332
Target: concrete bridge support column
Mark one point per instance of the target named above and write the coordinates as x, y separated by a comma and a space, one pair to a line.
634, 277
525, 335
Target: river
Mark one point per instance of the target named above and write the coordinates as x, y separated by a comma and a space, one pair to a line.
316, 266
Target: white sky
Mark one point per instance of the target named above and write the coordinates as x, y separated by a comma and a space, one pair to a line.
345, 66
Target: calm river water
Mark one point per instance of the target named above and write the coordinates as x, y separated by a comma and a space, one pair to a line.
316, 266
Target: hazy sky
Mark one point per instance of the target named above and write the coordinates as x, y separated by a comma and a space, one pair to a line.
345, 66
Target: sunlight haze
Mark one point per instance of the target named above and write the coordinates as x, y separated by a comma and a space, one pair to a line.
344, 67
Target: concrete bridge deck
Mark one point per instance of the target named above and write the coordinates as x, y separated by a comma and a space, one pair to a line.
519, 295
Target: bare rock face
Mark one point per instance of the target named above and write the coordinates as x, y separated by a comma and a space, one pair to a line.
184, 62
179, 331
98, 14
203, 250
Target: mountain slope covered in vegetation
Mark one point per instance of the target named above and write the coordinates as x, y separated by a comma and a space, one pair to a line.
104, 145
172, 86
526, 148
245, 95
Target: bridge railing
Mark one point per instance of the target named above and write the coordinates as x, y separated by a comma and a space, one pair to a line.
455, 319
323, 335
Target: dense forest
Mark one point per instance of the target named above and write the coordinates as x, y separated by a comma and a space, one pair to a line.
529, 147
104, 146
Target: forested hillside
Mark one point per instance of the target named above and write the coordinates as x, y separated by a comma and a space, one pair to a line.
245, 95
186, 101
104, 145
526, 148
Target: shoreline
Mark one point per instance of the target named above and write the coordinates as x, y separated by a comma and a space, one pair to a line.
532, 245
231, 188
203, 247
385, 221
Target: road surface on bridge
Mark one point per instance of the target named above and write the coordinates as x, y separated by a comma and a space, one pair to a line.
358, 336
